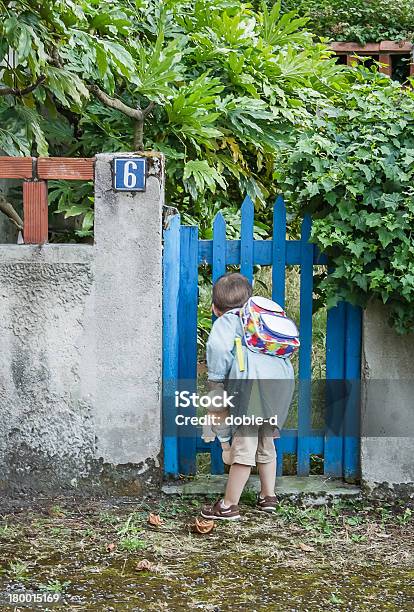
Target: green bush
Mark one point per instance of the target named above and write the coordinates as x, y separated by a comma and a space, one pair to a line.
357, 20
352, 167
221, 85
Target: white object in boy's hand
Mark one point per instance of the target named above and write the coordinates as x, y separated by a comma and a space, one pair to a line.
208, 434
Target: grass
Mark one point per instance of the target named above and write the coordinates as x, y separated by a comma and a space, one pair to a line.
56, 511
131, 544
55, 586
298, 551
131, 533
60, 531
249, 497
18, 570
5, 532
406, 517
131, 527
106, 518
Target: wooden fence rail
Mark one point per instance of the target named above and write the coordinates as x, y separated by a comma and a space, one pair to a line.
36, 171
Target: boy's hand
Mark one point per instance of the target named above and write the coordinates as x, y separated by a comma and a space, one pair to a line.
225, 455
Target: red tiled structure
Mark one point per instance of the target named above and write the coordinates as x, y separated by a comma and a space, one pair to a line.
383, 52
36, 172
16, 167
67, 168
35, 212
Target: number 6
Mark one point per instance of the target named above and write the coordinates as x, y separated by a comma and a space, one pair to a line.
130, 179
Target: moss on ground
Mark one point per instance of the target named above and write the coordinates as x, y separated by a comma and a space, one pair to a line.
352, 555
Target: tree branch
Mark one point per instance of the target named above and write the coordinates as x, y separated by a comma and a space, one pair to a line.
55, 59
9, 211
148, 109
6, 91
134, 113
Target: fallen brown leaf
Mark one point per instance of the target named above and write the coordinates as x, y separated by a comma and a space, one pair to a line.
155, 520
202, 526
146, 566
306, 547
111, 547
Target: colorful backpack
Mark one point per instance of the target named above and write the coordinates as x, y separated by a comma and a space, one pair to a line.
267, 329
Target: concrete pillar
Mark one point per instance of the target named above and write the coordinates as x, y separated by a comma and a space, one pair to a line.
128, 315
81, 345
387, 444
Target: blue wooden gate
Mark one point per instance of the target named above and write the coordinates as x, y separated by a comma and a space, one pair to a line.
183, 254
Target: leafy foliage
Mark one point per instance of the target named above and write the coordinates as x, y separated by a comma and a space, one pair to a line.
352, 167
73, 203
228, 84
359, 21
241, 99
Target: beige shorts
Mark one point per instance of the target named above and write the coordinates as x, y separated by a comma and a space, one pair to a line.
252, 445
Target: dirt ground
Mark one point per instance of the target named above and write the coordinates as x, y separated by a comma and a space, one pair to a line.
103, 556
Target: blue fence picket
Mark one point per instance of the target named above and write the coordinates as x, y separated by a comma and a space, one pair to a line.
246, 239
335, 373
289, 438
305, 351
278, 295
285, 444
219, 268
171, 284
217, 465
219, 247
187, 330
279, 252
351, 438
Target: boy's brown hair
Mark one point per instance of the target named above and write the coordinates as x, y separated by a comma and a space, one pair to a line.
231, 290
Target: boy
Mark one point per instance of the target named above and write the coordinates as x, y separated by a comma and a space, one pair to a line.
266, 383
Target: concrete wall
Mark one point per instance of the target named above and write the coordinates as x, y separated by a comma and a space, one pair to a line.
387, 445
80, 359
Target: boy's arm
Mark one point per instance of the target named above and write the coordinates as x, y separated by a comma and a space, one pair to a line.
219, 361
220, 346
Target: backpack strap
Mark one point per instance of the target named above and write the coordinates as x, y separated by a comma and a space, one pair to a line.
239, 353
238, 343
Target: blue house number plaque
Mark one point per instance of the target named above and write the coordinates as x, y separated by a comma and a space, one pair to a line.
130, 173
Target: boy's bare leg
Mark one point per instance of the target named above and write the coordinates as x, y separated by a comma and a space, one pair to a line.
267, 475
238, 476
